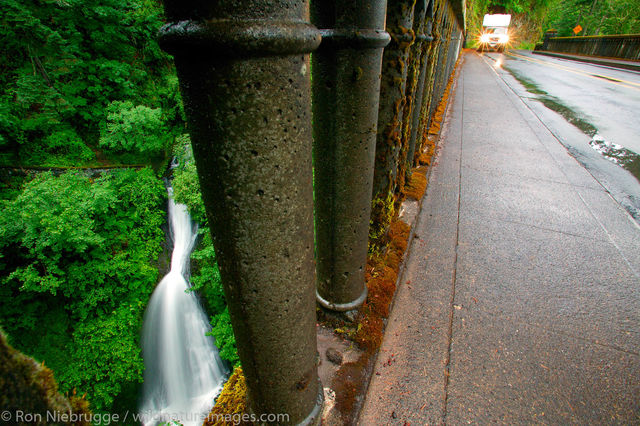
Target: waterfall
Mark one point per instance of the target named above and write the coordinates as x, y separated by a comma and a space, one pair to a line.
183, 371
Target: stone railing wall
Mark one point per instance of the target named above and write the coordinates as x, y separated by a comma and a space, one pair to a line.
611, 46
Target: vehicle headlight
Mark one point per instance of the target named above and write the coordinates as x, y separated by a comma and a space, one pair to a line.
484, 38
504, 38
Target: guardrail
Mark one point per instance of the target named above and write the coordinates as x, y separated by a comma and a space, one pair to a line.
624, 46
244, 72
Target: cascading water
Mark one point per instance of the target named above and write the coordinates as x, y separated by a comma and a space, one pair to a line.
183, 371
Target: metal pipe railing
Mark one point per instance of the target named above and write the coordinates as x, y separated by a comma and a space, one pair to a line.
346, 90
244, 76
392, 93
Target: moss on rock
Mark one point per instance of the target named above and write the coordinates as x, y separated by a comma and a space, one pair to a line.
30, 388
231, 405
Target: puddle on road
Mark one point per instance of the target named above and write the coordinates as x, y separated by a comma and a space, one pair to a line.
617, 154
613, 152
555, 104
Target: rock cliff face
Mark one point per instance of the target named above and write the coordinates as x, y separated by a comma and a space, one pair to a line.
29, 393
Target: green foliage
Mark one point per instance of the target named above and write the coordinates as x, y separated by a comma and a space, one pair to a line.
186, 186
83, 82
225, 340
597, 17
137, 129
77, 271
64, 62
206, 279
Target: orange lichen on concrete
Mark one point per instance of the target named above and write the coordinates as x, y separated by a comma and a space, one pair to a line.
381, 276
424, 158
381, 288
349, 383
369, 332
417, 185
231, 404
398, 240
438, 116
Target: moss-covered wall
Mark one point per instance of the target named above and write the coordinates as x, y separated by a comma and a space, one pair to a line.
29, 393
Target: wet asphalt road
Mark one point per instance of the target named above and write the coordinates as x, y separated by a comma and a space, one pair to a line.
606, 97
603, 98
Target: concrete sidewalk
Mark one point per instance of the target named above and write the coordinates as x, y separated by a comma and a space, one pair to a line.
520, 301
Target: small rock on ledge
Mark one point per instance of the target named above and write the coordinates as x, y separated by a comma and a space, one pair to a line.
334, 355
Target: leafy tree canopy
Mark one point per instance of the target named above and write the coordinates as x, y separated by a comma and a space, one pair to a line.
596, 17
137, 129
64, 62
77, 271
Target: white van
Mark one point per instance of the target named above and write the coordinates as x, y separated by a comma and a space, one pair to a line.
495, 34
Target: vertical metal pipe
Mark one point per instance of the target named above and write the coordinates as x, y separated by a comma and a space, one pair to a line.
392, 91
419, 93
439, 72
346, 90
244, 75
413, 75
428, 98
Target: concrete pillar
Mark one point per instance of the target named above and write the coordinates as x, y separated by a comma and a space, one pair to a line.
429, 84
346, 90
424, 8
244, 77
392, 91
439, 69
426, 47
547, 38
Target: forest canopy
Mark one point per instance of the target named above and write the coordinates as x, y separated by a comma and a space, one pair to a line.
596, 17
76, 275
73, 71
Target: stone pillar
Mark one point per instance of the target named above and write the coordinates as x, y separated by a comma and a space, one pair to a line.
426, 37
392, 91
440, 65
428, 98
244, 76
346, 90
547, 38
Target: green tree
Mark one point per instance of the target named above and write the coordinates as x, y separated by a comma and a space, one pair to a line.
137, 129
596, 17
78, 268
64, 62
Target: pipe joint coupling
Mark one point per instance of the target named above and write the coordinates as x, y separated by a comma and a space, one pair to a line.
239, 38
342, 307
424, 37
355, 38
